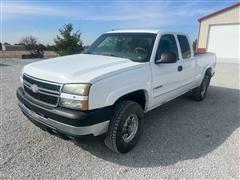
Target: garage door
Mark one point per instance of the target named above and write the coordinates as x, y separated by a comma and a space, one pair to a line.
224, 41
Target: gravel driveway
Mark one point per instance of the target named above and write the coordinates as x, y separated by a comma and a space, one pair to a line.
181, 139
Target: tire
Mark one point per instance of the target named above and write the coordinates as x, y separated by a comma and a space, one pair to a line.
199, 93
125, 127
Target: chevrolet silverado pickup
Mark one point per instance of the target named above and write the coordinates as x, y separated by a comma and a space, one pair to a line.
107, 89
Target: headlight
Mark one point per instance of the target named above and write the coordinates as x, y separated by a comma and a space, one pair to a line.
75, 96
77, 89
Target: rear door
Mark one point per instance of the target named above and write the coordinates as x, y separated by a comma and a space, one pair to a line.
166, 77
187, 62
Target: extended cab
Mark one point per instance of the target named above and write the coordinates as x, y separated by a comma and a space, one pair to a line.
107, 90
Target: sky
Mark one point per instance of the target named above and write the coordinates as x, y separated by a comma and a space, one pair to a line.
43, 18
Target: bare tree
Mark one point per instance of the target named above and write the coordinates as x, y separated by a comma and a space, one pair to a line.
29, 42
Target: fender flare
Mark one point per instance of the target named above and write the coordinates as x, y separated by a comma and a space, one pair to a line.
116, 95
207, 71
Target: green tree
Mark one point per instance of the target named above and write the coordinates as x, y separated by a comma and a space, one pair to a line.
68, 42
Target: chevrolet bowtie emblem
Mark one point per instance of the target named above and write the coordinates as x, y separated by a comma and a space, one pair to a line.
34, 88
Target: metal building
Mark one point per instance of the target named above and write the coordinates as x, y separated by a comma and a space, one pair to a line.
219, 32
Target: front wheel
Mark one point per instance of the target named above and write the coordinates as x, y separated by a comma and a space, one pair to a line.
125, 127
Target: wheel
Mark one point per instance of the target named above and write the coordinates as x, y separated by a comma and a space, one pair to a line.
125, 127
199, 93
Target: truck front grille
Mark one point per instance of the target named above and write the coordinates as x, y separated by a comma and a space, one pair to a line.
44, 92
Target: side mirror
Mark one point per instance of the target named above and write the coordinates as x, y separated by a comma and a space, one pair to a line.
167, 57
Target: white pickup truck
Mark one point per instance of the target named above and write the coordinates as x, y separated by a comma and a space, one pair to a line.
107, 90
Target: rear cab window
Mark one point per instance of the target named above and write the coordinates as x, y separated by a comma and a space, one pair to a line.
184, 45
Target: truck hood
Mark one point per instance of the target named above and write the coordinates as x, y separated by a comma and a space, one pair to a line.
80, 68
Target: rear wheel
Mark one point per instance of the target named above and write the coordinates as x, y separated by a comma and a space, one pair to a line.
199, 93
125, 127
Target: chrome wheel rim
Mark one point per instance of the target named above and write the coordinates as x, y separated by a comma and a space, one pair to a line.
130, 128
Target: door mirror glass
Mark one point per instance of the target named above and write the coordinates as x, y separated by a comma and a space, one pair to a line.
167, 57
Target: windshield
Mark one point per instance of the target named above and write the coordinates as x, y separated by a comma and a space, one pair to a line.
134, 46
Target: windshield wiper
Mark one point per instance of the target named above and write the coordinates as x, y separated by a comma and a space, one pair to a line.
105, 54
109, 54
113, 55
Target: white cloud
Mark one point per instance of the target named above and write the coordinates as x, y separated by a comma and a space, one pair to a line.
158, 12
119, 14
24, 9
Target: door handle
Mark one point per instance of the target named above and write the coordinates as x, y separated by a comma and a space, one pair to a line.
180, 68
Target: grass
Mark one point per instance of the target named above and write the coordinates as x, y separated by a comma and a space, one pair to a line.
18, 54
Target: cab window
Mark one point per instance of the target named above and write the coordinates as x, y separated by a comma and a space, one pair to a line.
167, 44
184, 45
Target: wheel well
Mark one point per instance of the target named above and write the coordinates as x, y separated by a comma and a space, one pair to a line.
137, 96
208, 72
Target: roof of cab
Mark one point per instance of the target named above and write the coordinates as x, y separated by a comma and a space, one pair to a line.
154, 31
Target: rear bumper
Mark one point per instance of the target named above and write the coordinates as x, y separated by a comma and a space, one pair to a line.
66, 121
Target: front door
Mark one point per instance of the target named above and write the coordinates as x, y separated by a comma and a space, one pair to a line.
167, 78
